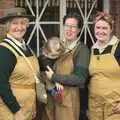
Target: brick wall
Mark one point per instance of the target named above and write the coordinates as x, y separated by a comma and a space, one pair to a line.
4, 4
115, 10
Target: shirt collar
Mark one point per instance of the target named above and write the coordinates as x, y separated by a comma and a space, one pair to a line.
71, 45
20, 43
112, 41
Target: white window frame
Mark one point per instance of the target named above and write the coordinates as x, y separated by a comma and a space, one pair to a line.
62, 8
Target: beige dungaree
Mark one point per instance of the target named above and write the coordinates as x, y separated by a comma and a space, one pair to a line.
23, 87
70, 107
104, 86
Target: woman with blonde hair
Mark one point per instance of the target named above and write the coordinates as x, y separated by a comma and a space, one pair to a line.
104, 87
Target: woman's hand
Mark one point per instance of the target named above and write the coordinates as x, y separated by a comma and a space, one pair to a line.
19, 115
49, 73
117, 108
59, 87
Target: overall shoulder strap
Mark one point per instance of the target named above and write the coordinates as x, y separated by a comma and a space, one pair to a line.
15, 46
114, 47
27, 60
4, 44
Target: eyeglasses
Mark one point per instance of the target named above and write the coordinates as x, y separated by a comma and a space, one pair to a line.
71, 26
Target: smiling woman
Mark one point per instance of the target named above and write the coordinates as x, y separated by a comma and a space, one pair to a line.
17, 82
104, 88
70, 71
17, 27
103, 27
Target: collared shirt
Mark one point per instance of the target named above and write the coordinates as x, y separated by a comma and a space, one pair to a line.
112, 41
70, 45
107, 49
20, 43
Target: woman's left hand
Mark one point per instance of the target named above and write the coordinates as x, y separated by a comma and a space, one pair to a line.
59, 87
49, 73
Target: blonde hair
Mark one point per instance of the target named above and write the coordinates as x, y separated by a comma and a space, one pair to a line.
104, 16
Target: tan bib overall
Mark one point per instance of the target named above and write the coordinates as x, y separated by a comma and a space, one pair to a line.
104, 86
70, 107
23, 87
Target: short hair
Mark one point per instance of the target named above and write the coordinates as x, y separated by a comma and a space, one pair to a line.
104, 16
75, 16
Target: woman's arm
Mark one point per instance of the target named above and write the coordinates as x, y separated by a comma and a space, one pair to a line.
7, 64
80, 72
117, 54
